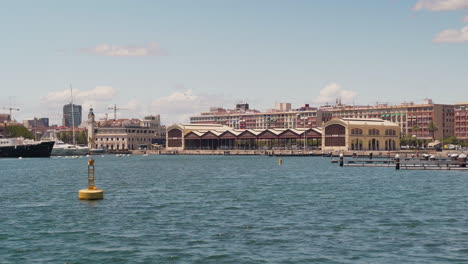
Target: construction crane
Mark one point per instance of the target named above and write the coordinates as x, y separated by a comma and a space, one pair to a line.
10, 109
115, 110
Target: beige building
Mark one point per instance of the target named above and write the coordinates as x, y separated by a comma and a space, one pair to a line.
124, 135
360, 134
413, 119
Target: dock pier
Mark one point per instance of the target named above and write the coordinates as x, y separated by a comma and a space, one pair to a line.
398, 163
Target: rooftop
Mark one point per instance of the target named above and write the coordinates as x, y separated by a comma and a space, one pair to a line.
365, 121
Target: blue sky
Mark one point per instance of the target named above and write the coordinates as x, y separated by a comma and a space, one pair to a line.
183, 56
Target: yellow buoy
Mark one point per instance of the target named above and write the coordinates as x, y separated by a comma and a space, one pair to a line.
92, 193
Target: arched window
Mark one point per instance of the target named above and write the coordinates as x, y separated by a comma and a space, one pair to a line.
390, 144
174, 138
356, 131
373, 144
335, 135
335, 129
356, 144
390, 132
374, 132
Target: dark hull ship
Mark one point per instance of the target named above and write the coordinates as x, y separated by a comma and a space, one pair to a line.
19, 148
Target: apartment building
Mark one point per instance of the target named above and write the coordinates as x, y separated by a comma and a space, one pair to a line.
280, 117
413, 119
461, 121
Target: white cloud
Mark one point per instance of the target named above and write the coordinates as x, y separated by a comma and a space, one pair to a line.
52, 103
465, 19
99, 93
441, 5
180, 105
173, 108
332, 91
151, 49
452, 36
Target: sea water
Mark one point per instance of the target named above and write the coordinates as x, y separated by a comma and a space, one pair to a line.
230, 209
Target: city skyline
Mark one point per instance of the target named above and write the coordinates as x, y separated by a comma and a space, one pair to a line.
179, 58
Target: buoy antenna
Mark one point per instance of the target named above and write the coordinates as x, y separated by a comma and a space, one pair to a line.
91, 178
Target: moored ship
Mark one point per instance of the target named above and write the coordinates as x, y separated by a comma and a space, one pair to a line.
20, 147
63, 149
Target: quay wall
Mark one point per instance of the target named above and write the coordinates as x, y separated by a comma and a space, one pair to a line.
376, 153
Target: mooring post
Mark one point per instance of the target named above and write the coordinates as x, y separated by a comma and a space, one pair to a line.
341, 159
397, 162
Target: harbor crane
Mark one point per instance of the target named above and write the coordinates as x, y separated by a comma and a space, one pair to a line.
115, 108
10, 109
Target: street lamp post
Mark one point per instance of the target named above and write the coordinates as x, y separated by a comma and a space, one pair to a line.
304, 120
303, 126
35, 128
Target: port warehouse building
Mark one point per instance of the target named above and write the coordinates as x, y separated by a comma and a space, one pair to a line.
219, 137
337, 134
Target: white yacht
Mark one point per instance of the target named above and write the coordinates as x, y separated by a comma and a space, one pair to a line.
63, 149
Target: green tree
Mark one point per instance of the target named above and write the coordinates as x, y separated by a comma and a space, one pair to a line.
432, 127
81, 137
409, 141
405, 141
452, 140
18, 131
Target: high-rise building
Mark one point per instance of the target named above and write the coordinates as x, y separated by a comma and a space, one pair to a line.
68, 120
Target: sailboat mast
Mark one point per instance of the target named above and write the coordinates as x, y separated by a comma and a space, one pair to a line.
73, 115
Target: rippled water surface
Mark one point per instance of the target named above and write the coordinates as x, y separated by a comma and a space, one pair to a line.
228, 209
